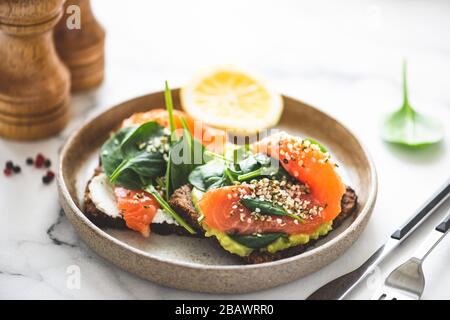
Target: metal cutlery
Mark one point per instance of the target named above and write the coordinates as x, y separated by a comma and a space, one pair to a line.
407, 281
340, 287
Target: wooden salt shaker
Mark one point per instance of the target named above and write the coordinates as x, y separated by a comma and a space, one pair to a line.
34, 83
82, 50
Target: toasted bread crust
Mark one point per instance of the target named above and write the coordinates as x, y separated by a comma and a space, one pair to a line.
181, 202
102, 220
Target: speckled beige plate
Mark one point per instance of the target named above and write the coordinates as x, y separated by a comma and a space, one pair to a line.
194, 264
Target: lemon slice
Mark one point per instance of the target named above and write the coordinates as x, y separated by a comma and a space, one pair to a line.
228, 98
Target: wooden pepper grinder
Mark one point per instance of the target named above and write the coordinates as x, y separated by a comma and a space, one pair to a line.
34, 83
81, 47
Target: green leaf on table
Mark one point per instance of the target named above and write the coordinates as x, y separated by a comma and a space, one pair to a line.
410, 128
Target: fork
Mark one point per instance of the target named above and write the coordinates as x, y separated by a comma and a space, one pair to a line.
407, 281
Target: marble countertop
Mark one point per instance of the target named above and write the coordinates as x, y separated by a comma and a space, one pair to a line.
342, 57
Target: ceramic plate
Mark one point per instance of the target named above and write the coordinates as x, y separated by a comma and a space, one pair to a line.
195, 264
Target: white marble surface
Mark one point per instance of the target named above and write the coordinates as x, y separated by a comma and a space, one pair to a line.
343, 57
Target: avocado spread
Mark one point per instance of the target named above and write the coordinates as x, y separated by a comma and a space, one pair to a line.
280, 244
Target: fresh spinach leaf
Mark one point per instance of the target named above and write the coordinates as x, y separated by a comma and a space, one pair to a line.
218, 172
259, 165
257, 241
410, 128
135, 140
129, 146
127, 162
111, 154
247, 165
208, 176
267, 208
185, 155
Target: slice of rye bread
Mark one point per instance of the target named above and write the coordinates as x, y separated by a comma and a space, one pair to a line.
102, 220
181, 202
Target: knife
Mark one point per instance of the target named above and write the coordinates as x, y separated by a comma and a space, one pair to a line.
340, 287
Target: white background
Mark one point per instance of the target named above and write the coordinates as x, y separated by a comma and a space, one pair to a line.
343, 57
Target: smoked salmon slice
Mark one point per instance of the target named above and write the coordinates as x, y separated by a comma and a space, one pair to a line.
308, 164
223, 211
138, 209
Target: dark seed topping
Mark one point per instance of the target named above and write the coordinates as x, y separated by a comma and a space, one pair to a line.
17, 169
9, 165
47, 163
30, 161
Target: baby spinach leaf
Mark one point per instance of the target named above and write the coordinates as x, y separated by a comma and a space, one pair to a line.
267, 208
249, 164
129, 146
126, 163
257, 241
408, 127
253, 162
260, 165
111, 154
147, 164
208, 176
135, 140
185, 153
218, 172
184, 156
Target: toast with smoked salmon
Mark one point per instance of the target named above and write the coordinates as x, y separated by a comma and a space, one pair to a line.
278, 200
181, 201
129, 189
102, 217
